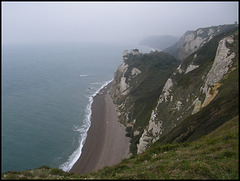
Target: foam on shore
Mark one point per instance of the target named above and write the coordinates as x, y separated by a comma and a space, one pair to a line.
83, 132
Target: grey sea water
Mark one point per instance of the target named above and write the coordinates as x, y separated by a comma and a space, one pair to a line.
46, 94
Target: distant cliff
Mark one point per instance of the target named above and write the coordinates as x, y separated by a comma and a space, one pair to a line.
191, 41
155, 93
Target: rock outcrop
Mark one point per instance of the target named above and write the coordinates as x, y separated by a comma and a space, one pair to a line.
135, 89
222, 63
191, 41
155, 92
192, 86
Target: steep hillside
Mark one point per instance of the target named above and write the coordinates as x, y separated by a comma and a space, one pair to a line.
191, 41
153, 95
137, 84
207, 80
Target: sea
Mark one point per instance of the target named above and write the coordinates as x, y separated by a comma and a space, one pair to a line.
46, 96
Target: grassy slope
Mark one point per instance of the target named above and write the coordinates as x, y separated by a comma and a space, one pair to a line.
214, 156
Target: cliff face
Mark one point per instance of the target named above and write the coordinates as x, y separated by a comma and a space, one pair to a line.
136, 86
156, 98
191, 87
193, 40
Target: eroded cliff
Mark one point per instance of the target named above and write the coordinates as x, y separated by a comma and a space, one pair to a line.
191, 87
155, 92
136, 86
191, 41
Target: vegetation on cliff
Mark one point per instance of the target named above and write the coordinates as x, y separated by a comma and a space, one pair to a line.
179, 123
144, 89
163, 96
193, 40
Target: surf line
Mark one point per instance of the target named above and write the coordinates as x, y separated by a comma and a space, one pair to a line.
83, 132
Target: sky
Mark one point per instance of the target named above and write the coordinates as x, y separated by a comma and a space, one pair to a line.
111, 22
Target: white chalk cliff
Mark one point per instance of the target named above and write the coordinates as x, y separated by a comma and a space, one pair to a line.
188, 103
185, 90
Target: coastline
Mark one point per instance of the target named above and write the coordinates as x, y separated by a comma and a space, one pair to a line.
106, 143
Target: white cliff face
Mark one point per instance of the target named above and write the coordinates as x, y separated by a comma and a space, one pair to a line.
154, 129
199, 31
166, 91
179, 69
221, 65
123, 86
193, 40
190, 44
151, 133
210, 32
191, 67
135, 72
180, 96
143, 142
123, 68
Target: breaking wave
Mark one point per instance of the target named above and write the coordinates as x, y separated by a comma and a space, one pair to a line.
82, 131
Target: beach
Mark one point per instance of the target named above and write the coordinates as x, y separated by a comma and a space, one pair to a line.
106, 143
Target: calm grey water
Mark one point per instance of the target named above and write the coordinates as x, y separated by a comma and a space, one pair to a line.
46, 100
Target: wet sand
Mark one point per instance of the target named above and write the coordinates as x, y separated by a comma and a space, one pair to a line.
106, 143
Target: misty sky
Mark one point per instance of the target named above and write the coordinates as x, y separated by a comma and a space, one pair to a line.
124, 22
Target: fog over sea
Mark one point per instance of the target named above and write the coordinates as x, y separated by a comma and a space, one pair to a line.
47, 93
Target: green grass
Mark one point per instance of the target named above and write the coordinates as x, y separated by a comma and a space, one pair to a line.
214, 156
